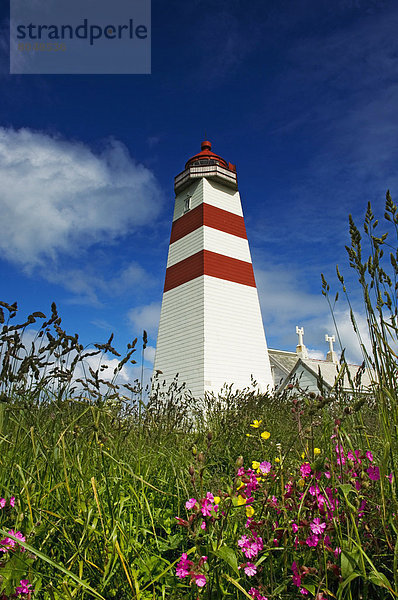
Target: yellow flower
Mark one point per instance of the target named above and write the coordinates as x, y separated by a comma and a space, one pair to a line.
249, 511
303, 455
301, 482
256, 423
277, 459
241, 486
248, 435
241, 500
265, 435
316, 451
255, 464
217, 499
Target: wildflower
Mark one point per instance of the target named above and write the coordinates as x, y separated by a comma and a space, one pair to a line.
294, 527
255, 464
369, 456
255, 594
190, 503
374, 473
249, 511
183, 566
303, 455
316, 451
265, 467
241, 500
250, 569
12, 501
256, 424
9, 543
2, 502
317, 527
24, 587
203, 525
217, 499
312, 541
243, 541
200, 580
277, 460
303, 591
250, 546
296, 577
305, 469
265, 435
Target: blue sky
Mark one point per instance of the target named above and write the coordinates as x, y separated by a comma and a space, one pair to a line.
301, 96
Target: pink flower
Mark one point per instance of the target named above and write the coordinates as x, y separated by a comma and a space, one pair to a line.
369, 456
317, 527
327, 474
12, 503
294, 527
203, 525
250, 546
303, 591
255, 594
374, 473
9, 543
265, 467
250, 569
183, 566
296, 575
312, 541
200, 580
24, 587
190, 503
206, 508
2, 502
305, 469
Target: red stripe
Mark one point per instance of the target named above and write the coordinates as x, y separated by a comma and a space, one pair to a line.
209, 263
211, 216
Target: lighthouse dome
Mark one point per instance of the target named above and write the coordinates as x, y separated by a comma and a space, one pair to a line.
206, 157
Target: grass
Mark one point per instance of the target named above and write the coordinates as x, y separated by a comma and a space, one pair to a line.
99, 476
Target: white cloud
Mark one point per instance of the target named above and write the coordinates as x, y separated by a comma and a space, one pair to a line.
57, 196
145, 317
150, 354
285, 303
317, 354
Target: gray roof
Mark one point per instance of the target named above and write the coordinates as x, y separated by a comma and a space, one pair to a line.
282, 359
291, 364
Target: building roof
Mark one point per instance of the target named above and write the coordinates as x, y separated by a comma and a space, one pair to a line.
207, 157
307, 370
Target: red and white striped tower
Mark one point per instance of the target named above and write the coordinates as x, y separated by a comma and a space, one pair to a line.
210, 329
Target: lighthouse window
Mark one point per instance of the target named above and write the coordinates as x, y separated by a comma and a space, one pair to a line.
187, 204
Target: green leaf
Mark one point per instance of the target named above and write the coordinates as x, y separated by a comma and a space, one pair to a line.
309, 587
228, 555
379, 579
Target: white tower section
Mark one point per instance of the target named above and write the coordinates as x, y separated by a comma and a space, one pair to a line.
210, 329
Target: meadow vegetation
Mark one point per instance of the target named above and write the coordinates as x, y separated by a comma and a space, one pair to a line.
106, 495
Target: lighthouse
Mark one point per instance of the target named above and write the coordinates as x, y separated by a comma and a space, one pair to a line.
210, 331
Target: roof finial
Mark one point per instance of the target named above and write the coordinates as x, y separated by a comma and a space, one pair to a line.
331, 356
301, 350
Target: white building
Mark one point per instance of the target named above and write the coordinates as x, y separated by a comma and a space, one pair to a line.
311, 373
210, 330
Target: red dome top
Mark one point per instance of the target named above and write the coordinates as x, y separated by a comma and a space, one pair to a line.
206, 157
